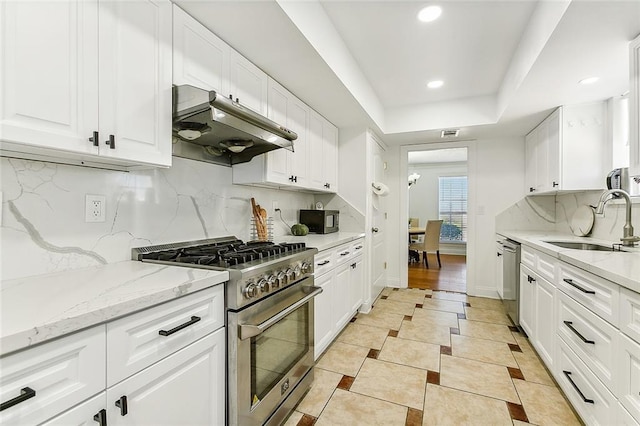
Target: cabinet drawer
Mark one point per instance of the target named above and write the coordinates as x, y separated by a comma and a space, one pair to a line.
593, 339
629, 376
135, 341
324, 262
589, 397
528, 257
357, 247
81, 415
623, 417
630, 313
62, 373
344, 253
597, 294
546, 266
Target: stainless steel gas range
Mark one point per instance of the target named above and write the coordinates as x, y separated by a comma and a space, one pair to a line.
269, 302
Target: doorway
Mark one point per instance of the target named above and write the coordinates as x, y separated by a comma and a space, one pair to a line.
438, 191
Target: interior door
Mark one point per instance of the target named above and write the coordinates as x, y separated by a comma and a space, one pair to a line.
377, 213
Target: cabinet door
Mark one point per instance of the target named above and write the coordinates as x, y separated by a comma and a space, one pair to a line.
316, 151
49, 74
298, 161
81, 415
527, 301
499, 270
186, 388
542, 158
323, 311
135, 80
545, 325
634, 107
200, 58
342, 305
554, 153
278, 110
530, 142
248, 83
330, 156
356, 284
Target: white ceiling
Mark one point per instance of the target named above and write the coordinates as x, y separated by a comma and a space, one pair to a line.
505, 64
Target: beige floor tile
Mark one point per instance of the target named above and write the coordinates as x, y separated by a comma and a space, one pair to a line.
444, 406
485, 330
324, 383
443, 305
293, 419
404, 308
363, 335
482, 350
411, 353
381, 318
524, 344
487, 315
532, 368
519, 423
477, 377
391, 382
428, 317
386, 291
436, 334
343, 358
351, 409
409, 295
486, 303
544, 405
458, 297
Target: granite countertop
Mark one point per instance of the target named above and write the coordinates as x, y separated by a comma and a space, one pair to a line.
621, 267
326, 241
39, 308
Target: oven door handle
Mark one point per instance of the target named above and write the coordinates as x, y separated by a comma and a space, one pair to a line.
248, 330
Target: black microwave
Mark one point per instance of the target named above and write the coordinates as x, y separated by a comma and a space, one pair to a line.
320, 221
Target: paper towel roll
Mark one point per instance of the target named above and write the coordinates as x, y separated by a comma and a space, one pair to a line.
380, 188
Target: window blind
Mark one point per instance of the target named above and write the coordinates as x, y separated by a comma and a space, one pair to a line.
452, 208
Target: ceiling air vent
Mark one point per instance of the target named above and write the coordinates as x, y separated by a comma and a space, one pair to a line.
452, 133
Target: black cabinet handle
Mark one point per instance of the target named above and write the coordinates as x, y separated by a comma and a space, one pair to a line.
344, 253
194, 319
111, 142
577, 333
530, 278
555, 184
499, 254
353, 266
568, 374
582, 289
101, 417
95, 139
122, 405
323, 263
531, 189
358, 247
25, 393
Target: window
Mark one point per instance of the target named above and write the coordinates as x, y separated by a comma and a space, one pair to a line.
452, 208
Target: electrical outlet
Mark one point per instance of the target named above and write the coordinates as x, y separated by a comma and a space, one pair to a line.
94, 208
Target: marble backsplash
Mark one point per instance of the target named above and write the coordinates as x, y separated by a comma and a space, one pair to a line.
43, 212
554, 213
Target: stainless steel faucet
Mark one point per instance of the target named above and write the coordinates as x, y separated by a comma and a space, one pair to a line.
628, 239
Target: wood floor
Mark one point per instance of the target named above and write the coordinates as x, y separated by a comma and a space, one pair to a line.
451, 277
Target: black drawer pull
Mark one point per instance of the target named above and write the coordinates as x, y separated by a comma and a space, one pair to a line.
25, 393
194, 319
122, 405
344, 253
323, 263
530, 278
358, 247
568, 374
582, 289
101, 417
577, 333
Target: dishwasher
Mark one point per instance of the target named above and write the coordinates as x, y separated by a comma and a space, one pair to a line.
511, 279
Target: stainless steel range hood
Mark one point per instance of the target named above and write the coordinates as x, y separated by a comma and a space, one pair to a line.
212, 128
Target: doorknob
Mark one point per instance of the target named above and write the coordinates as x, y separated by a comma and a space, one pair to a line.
374, 229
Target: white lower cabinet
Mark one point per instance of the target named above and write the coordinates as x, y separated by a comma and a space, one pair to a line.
86, 414
342, 283
629, 376
624, 418
527, 300
186, 388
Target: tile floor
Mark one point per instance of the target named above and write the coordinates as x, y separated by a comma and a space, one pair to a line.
424, 357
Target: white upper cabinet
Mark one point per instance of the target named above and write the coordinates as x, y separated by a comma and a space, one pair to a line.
567, 150
200, 58
248, 83
73, 69
634, 107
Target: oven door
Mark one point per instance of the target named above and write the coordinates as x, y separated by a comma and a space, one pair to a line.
271, 348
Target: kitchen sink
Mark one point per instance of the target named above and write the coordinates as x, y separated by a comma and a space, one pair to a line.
580, 246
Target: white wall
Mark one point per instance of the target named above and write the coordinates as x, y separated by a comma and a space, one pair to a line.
496, 181
352, 167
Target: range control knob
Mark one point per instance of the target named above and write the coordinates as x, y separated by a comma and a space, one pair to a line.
289, 274
280, 279
297, 270
264, 286
306, 267
271, 280
250, 291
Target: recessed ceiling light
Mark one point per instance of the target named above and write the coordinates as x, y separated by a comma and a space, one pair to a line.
435, 84
589, 80
429, 13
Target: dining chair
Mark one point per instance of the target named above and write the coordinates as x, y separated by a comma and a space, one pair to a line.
430, 242
414, 222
